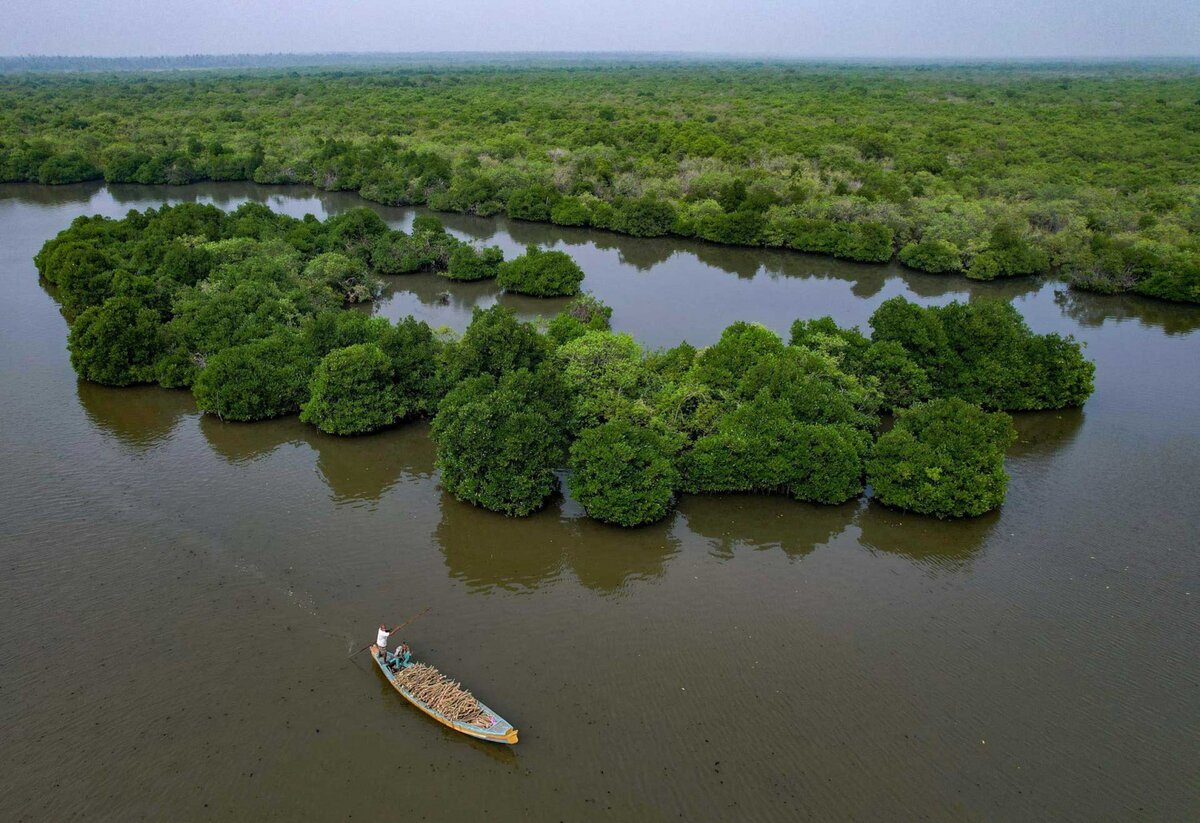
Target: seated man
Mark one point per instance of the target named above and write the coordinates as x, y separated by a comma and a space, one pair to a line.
398, 659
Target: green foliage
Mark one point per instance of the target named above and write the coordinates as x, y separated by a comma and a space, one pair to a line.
500, 440
585, 313
901, 381
346, 277
760, 447
1176, 277
116, 343
541, 273
689, 408
604, 374
495, 343
570, 211
723, 365
673, 363
532, 203
989, 169
812, 386
353, 232
82, 271
1011, 251
331, 329
351, 391
186, 265
71, 167
255, 381
208, 320
415, 356
242, 307
470, 263
944, 458
248, 308
623, 473
645, 217
428, 248
985, 266
768, 417
866, 241
985, 353
935, 256
1126, 263
397, 253
847, 346
427, 224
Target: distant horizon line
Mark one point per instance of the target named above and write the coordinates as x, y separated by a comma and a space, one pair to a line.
616, 53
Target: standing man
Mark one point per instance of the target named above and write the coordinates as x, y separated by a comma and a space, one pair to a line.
381, 639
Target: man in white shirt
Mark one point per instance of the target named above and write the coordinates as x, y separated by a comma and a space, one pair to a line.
381, 639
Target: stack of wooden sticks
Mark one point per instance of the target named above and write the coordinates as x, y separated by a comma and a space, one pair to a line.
442, 694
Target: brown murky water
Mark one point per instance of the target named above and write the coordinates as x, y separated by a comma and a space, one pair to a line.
178, 596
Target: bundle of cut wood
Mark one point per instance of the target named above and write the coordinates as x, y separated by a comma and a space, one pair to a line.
442, 694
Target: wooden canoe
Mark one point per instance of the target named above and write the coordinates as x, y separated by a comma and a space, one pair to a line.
501, 731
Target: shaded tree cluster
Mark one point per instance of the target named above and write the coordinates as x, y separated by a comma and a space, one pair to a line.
541, 274
246, 309
751, 413
251, 311
943, 458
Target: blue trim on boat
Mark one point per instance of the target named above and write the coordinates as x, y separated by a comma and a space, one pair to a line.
501, 731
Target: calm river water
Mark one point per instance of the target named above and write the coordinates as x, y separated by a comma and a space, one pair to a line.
178, 596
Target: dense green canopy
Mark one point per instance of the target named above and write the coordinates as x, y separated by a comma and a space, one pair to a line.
985, 353
989, 170
623, 473
351, 391
255, 381
500, 440
470, 263
541, 274
117, 342
944, 458
240, 306
250, 309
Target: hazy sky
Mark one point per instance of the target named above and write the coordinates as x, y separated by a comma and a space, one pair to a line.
803, 28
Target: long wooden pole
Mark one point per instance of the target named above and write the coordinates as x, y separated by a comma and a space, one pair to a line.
393, 631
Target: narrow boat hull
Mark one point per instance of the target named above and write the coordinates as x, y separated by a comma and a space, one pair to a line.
501, 731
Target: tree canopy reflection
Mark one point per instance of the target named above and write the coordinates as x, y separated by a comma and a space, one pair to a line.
939, 545
354, 469
140, 417
762, 523
487, 551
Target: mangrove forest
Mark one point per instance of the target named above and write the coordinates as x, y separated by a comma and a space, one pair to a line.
257, 314
1087, 173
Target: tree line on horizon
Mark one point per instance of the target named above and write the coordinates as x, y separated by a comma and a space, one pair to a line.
1087, 174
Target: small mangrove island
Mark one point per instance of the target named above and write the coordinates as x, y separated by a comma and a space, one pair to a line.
252, 311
